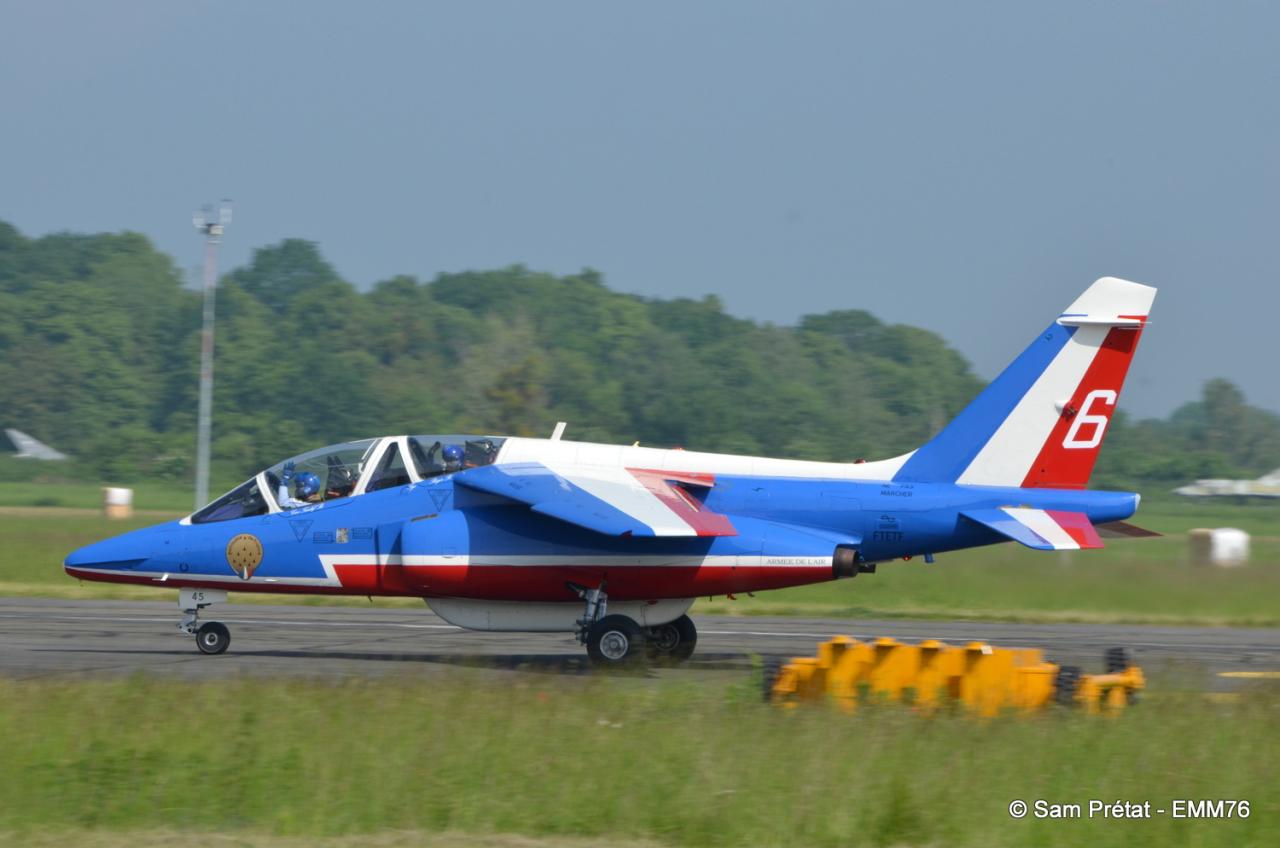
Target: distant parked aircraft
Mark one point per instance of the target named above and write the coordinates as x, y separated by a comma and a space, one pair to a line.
30, 448
1266, 486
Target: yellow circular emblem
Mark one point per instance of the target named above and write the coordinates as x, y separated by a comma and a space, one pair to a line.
244, 554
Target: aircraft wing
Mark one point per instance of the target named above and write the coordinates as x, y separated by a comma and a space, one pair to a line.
1042, 529
613, 501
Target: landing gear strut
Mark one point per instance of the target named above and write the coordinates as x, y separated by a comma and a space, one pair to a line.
212, 637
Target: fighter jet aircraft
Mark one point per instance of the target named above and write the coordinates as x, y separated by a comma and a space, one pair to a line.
1266, 486
614, 543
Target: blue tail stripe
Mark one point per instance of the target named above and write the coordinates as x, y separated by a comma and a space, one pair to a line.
945, 457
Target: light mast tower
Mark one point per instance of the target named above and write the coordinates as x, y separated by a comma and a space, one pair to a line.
213, 229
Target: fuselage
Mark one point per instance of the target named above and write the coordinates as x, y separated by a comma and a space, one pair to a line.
435, 538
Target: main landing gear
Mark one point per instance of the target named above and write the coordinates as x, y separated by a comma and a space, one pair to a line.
619, 641
673, 641
212, 637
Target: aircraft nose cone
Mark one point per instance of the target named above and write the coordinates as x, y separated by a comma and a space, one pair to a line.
110, 554
153, 547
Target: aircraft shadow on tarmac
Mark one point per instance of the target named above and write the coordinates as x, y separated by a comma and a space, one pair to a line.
539, 663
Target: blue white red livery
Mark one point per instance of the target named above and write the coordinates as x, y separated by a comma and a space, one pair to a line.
613, 543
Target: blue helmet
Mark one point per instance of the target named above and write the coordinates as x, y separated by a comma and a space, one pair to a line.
307, 484
452, 454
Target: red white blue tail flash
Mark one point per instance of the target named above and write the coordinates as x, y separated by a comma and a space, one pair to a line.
1041, 422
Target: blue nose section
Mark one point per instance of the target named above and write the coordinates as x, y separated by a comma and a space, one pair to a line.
117, 553
122, 552
158, 548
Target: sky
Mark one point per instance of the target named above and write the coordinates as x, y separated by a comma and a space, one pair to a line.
968, 168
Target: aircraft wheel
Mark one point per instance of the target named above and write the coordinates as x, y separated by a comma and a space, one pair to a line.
615, 640
213, 637
672, 641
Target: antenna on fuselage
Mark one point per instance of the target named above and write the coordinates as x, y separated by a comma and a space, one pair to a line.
558, 431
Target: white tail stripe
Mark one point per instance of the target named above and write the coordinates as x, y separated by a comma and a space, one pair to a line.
1007, 456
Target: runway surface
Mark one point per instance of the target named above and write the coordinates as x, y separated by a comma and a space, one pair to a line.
44, 638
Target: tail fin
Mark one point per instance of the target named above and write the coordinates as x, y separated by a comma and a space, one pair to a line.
30, 447
1041, 422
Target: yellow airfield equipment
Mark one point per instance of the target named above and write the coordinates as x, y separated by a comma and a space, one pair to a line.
980, 678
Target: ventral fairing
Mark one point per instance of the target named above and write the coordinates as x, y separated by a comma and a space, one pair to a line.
613, 543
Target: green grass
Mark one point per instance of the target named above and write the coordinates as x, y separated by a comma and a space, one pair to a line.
623, 758
165, 497
168, 837
27, 483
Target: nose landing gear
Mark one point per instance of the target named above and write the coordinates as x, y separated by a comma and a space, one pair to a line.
212, 637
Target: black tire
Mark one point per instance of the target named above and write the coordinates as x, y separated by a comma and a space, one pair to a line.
1065, 685
615, 641
213, 637
1115, 660
673, 641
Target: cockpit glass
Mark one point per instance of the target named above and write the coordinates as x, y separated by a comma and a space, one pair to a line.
241, 502
391, 471
333, 472
319, 475
435, 455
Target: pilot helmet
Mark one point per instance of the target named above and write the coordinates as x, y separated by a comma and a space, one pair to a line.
307, 484
452, 454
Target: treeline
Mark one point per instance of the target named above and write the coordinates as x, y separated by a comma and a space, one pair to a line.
99, 347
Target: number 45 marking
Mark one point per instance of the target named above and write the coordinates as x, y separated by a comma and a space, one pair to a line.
1098, 420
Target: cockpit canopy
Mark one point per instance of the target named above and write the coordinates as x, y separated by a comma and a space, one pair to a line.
350, 469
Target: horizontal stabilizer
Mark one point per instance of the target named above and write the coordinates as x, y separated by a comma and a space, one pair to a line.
1124, 530
1042, 529
613, 501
